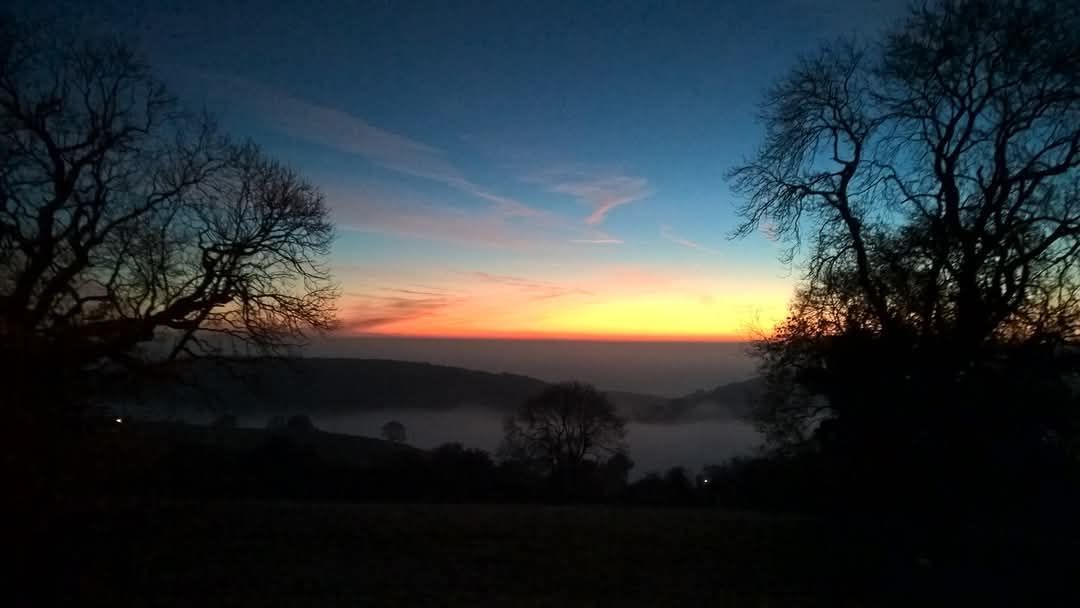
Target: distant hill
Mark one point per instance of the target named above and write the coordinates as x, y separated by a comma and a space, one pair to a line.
330, 447
336, 385
636, 406
325, 385
727, 401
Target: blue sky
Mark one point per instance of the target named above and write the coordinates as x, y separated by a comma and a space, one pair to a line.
509, 168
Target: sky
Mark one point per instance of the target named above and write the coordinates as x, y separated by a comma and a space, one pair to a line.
509, 169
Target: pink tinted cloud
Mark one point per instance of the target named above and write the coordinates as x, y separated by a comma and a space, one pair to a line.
430, 291
371, 207
667, 233
473, 300
380, 312
429, 222
539, 289
600, 189
603, 241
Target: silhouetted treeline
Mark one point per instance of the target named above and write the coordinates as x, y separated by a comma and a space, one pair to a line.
291, 459
927, 185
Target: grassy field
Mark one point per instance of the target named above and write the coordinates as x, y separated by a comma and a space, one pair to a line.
279, 554
263, 554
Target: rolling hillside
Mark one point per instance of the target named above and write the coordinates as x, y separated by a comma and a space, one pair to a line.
727, 401
336, 385
318, 385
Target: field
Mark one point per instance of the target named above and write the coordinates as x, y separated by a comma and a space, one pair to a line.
316, 554
261, 554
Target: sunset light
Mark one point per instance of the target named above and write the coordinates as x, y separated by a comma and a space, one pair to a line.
512, 303
619, 304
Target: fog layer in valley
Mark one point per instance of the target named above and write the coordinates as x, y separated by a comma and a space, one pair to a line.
653, 447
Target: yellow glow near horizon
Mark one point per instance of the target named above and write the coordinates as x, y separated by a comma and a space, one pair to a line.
693, 311
669, 315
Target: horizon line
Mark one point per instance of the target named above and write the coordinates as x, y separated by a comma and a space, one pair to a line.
553, 337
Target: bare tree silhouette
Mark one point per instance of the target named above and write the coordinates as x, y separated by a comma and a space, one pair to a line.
564, 427
932, 182
394, 431
133, 232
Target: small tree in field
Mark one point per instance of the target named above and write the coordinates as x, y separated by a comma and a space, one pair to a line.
300, 423
564, 428
394, 431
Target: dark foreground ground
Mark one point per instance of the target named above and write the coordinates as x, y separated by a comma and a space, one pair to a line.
267, 554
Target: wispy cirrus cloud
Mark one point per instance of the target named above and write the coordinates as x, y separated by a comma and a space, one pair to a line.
540, 289
367, 210
372, 207
599, 241
351, 134
601, 189
471, 301
381, 312
669, 234
432, 292
337, 129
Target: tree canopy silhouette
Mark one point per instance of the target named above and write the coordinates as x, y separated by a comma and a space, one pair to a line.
562, 428
394, 431
932, 183
131, 231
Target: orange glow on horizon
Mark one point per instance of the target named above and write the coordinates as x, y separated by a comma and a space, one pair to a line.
615, 305
525, 336
653, 317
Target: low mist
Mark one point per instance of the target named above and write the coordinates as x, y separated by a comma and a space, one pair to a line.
653, 447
